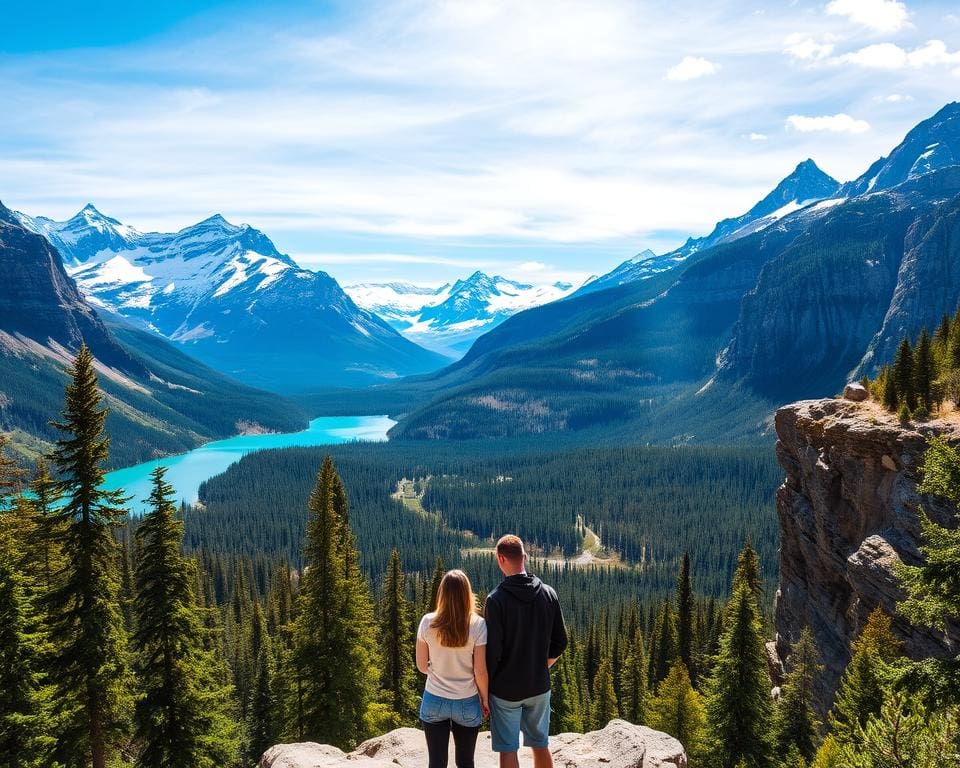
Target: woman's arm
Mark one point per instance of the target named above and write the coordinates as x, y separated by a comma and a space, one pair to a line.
423, 657
480, 676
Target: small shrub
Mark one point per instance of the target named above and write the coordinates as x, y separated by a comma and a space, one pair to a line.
904, 413
921, 414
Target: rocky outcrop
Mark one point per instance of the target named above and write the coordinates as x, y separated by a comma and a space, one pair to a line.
619, 745
848, 513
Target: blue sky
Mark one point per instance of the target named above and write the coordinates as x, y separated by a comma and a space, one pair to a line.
541, 139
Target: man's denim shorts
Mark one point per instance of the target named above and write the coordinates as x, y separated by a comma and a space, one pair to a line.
466, 712
509, 718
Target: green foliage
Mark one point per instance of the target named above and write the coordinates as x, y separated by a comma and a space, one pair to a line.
796, 726
678, 709
182, 716
924, 371
905, 735
396, 639
605, 707
904, 375
93, 694
335, 660
567, 714
865, 682
685, 615
26, 733
738, 689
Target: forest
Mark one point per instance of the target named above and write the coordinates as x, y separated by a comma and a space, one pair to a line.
121, 646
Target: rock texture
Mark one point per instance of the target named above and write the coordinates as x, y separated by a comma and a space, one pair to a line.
848, 514
619, 745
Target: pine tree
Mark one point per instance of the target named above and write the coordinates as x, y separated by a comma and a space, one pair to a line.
396, 639
685, 629
265, 720
748, 572
923, 372
336, 669
903, 375
678, 709
738, 691
567, 715
889, 398
25, 737
664, 647
635, 680
933, 588
93, 687
438, 572
953, 344
605, 706
796, 725
182, 718
51, 527
863, 684
10, 473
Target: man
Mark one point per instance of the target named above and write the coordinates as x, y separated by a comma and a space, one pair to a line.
525, 636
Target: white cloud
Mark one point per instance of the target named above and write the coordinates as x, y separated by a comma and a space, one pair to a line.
894, 98
756, 136
691, 68
532, 266
804, 48
839, 123
882, 16
891, 56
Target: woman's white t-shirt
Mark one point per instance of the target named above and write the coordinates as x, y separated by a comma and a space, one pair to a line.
451, 669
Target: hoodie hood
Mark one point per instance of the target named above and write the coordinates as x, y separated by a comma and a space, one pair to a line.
524, 587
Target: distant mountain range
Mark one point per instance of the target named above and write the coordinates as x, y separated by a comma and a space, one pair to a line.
161, 400
451, 317
703, 350
806, 184
226, 295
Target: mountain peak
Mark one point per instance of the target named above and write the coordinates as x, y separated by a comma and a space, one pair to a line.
930, 145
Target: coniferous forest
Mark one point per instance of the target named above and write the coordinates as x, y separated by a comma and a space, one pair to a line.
122, 647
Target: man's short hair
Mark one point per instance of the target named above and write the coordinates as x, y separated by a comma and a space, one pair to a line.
511, 547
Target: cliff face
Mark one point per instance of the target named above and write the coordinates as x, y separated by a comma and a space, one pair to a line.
848, 513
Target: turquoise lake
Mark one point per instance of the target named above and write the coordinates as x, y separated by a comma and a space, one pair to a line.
186, 471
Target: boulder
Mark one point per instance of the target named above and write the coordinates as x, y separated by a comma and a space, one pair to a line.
855, 391
618, 745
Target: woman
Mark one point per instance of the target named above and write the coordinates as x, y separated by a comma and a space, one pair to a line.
451, 652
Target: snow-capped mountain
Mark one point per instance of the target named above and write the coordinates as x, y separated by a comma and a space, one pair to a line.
807, 184
929, 145
450, 317
227, 295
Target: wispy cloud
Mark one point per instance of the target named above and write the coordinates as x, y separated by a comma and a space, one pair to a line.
891, 56
877, 15
436, 130
691, 68
839, 123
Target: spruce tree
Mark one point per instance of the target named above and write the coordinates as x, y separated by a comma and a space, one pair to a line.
567, 715
933, 588
685, 628
438, 572
265, 720
398, 680
924, 372
664, 648
796, 725
635, 680
93, 696
678, 710
903, 375
336, 669
182, 717
864, 682
748, 572
738, 691
890, 398
953, 344
605, 706
10, 473
51, 527
25, 723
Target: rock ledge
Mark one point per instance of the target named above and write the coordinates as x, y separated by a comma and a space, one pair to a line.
619, 745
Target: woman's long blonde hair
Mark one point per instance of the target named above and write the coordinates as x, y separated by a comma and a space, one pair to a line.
456, 605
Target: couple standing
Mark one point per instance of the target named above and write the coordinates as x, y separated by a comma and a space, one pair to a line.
497, 667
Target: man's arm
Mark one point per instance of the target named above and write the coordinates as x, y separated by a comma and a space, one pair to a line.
491, 613
558, 636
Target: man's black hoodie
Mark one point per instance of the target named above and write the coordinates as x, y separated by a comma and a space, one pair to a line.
524, 629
